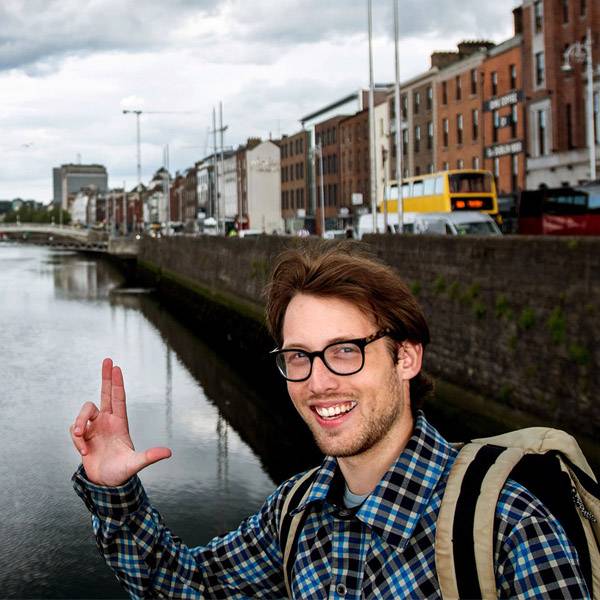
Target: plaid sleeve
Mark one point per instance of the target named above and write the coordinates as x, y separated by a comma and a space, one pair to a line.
534, 557
150, 561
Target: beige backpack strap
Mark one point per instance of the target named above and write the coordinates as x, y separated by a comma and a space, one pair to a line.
287, 536
485, 513
444, 552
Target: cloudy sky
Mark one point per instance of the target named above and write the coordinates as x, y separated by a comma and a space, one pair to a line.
69, 67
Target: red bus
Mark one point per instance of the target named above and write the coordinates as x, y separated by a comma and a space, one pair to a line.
560, 211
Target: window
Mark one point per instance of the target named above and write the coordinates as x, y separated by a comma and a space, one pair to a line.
430, 135
582, 8
538, 15
430, 169
404, 141
445, 131
475, 162
475, 123
495, 125
459, 128
444, 92
514, 172
512, 71
473, 81
497, 167
429, 186
569, 126
446, 166
417, 102
541, 126
494, 83
565, 11
597, 116
417, 138
404, 105
429, 98
458, 87
539, 68
514, 120
460, 163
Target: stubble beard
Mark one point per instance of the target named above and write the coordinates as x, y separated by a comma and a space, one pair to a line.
372, 431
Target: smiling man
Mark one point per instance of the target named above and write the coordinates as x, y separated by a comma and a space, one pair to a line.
350, 344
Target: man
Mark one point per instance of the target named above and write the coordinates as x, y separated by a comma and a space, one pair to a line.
350, 343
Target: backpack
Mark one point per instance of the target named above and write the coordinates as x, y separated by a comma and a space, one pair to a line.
548, 462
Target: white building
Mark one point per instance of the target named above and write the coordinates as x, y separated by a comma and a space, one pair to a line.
228, 189
264, 187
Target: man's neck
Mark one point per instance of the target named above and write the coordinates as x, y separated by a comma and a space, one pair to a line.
364, 471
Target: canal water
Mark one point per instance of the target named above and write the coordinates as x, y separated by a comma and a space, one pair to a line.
61, 313
60, 316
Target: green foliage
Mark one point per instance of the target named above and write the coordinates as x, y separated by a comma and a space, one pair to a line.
526, 318
502, 308
454, 290
479, 309
471, 292
505, 393
572, 244
512, 341
415, 288
439, 285
27, 214
579, 354
557, 325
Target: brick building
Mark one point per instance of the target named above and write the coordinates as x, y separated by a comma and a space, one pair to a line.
502, 123
328, 178
459, 102
354, 161
556, 100
295, 191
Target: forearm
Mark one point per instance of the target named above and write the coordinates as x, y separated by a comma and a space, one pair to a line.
150, 561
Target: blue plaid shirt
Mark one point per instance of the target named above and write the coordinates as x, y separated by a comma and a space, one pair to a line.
385, 549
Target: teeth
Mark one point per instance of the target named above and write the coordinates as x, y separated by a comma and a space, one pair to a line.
334, 411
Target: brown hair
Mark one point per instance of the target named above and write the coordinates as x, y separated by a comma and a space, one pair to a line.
348, 272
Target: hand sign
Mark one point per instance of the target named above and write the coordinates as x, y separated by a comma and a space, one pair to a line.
102, 436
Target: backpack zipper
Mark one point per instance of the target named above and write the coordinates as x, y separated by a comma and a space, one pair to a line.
581, 506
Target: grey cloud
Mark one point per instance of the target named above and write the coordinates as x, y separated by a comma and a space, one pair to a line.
41, 32
37, 34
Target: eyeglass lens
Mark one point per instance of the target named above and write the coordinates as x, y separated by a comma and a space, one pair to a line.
344, 358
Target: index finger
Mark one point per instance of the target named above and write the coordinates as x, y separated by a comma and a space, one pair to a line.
106, 389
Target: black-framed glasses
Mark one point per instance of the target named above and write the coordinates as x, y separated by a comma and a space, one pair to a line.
341, 358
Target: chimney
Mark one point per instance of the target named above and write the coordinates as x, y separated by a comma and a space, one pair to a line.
443, 59
518, 20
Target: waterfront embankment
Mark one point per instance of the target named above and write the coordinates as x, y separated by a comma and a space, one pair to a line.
514, 319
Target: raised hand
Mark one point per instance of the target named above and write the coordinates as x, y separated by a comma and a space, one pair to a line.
102, 436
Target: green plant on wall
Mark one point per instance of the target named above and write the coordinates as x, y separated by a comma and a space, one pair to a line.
503, 309
479, 309
439, 285
557, 325
526, 318
415, 288
471, 292
579, 354
454, 290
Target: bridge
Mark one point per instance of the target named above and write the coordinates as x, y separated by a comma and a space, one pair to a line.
69, 238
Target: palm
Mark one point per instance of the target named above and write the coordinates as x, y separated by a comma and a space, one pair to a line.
110, 450
102, 435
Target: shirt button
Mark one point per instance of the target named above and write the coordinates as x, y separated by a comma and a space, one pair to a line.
340, 588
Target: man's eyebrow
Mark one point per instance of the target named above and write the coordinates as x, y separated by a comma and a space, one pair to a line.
335, 340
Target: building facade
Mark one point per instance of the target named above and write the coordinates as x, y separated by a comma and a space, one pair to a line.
263, 176
68, 179
502, 123
557, 144
294, 180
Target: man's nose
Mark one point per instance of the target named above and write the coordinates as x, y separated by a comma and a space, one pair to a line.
321, 378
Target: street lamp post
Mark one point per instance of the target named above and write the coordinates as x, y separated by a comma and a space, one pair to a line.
318, 149
137, 114
583, 52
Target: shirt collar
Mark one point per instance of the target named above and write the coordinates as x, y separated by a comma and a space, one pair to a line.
395, 506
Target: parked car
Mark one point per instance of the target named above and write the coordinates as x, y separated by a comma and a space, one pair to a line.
440, 223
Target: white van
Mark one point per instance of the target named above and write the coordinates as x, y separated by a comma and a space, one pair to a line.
441, 223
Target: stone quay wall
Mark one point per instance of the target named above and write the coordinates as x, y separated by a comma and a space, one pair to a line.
513, 318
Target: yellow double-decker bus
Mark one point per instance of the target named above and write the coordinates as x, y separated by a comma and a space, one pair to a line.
446, 191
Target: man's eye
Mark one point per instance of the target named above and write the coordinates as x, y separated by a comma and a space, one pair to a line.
296, 357
345, 350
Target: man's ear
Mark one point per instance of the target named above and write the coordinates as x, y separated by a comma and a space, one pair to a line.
410, 358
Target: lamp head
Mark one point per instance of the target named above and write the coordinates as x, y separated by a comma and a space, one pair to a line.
566, 67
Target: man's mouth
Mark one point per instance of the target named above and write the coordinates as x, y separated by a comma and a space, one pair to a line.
329, 413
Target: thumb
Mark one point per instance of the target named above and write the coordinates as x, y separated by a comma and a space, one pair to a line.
141, 460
